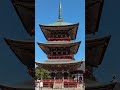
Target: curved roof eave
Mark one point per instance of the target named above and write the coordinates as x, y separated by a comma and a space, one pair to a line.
59, 43
57, 24
51, 63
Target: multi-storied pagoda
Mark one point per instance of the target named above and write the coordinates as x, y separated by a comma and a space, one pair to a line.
95, 46
24, 49
60, 50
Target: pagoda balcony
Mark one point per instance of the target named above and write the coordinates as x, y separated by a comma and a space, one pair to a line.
60, 56
59, 39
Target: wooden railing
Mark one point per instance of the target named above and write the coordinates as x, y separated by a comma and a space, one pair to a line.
67, 83
59, 39
60, 56
70, 83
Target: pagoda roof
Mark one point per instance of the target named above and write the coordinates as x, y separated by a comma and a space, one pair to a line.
59, 62
24, 50
95, 50
73, 45
73, 65
25, 10
95, 85
60, 43
59, 23
93, 15
72, 28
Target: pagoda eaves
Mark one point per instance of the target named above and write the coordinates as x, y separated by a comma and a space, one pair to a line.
25, 9
57, 26
66, 66
93, 14
24, 50
95, 50
74, 46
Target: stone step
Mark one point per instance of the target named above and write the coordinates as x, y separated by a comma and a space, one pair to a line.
58, 85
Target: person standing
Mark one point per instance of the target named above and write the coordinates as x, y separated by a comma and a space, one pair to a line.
41, 84
37, 83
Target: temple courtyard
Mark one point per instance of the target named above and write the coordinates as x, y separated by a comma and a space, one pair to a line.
37, 88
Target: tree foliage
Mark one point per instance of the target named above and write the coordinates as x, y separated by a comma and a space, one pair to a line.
41, 73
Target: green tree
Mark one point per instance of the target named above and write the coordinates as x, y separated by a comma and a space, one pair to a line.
42, 73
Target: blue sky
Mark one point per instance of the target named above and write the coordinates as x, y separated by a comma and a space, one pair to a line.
46, 12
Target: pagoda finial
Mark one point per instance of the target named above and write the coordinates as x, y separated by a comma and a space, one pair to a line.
60, 11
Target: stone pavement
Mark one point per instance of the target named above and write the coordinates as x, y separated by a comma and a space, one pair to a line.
59, 89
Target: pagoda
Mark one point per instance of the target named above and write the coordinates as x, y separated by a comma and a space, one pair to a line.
24, 49
96, 46
60, 50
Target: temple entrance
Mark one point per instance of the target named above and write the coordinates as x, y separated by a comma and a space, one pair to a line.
59, 75
52, 75
66, 75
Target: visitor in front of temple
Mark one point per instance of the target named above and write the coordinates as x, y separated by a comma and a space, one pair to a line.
41, 84
36, 83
